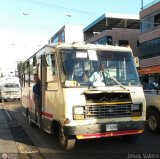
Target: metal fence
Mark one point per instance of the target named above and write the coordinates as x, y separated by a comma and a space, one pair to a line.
150, 4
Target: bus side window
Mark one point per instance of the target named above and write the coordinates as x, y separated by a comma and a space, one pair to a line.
26, 76
51, 68
32, 71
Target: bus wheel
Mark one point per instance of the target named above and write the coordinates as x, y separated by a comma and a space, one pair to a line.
130, 138
66, 143
153, 121
30, 122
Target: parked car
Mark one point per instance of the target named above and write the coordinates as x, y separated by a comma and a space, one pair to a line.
152, 95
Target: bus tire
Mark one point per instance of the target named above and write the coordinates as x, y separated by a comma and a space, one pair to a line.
154, 121
66, 142
30, 122
130, 138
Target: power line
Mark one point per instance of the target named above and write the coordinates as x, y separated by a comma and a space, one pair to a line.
61, 7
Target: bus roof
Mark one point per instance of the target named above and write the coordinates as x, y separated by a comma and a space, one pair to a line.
90, 46
49, 47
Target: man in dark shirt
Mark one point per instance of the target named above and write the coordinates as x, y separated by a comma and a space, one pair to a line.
37, 98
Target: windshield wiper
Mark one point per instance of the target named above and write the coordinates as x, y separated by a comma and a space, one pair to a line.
90, 84
119, 84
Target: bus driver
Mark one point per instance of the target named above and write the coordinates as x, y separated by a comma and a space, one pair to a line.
99, 76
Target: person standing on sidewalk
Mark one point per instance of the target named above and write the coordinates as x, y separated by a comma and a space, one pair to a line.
37, 99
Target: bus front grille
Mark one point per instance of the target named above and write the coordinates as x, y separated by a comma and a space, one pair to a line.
105, 111
12, 93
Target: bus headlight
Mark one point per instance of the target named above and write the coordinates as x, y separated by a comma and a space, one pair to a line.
78, 112
136, 109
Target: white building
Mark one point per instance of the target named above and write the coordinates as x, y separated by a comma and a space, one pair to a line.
68, 34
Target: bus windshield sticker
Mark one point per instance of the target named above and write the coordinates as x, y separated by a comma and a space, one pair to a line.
92, 55
81, 54
70, 83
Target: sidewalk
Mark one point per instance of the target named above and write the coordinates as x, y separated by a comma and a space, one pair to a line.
7, 143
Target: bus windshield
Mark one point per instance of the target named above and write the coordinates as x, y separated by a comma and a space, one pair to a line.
97, 68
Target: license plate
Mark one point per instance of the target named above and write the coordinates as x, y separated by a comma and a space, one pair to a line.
111, 127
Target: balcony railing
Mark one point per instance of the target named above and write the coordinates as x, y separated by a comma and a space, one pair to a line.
150, 4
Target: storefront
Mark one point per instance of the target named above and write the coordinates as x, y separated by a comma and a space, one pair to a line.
150, 74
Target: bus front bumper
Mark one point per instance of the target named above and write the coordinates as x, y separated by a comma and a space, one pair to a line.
105, 129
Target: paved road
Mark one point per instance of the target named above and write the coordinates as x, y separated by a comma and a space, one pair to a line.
7, 144
147, 146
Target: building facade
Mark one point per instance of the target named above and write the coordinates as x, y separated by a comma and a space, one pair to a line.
68, 34
150, 42
115, 29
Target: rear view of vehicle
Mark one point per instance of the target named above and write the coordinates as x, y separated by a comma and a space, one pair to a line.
10, 91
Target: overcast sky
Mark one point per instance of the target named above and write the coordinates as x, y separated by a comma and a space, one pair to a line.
26, 25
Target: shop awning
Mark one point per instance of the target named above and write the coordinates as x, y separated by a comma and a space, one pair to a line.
148, 70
